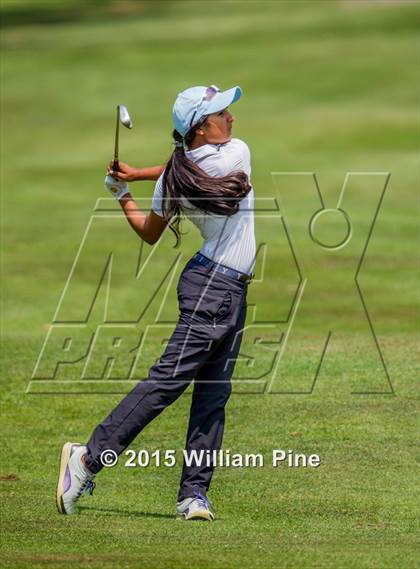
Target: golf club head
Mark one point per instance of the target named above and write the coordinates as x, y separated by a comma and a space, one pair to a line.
124, 116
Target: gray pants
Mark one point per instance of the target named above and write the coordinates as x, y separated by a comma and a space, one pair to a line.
204, 346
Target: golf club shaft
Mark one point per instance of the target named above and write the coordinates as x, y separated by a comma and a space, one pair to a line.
117, 134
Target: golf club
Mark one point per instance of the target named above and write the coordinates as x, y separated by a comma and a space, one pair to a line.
124, 118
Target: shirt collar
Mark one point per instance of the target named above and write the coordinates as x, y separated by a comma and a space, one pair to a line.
205, 150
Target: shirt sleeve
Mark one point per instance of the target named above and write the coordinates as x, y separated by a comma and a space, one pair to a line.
157, 200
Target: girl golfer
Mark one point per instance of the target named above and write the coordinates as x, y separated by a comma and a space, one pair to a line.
207, 180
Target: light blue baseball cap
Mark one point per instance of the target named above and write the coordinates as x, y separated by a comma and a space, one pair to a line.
196, 102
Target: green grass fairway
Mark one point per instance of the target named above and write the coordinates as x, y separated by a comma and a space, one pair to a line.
330, 87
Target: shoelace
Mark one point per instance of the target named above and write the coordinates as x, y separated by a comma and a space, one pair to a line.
203, 501
87, 486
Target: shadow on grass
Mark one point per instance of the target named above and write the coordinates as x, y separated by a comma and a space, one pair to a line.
127, 513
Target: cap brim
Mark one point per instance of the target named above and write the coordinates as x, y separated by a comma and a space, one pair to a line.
223, 100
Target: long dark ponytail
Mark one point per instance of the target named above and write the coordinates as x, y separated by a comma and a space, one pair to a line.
182, 177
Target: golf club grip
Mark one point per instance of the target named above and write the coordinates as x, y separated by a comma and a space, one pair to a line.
115, 165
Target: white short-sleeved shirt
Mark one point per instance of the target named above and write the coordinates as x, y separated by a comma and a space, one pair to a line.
229, 240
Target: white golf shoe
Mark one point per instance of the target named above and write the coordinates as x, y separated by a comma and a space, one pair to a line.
195, 508
74, 478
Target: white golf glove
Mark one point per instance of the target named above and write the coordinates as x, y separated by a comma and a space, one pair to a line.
118, 188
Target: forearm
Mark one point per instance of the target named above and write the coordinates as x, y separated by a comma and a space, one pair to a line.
151, 173
135, 216
149, 227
